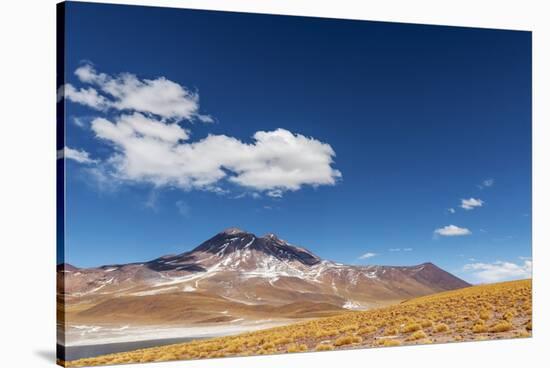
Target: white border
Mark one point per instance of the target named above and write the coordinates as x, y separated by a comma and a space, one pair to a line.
27, 203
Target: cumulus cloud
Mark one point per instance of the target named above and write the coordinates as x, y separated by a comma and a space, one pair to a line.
471, 203
368, 255
126, 92
141, 122
451, 210
452, 230
500, 271
156, 152
80, 156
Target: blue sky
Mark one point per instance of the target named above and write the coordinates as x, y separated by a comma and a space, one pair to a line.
349, 138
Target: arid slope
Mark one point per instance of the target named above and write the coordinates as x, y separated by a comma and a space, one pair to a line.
484, 312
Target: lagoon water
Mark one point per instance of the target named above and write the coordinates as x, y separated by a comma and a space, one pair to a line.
88, 351
86, 341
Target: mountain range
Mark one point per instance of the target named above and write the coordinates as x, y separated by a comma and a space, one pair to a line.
236, 276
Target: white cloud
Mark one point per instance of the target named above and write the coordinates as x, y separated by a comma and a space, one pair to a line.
143, 126
451, 210
141, 123
86, 96
152, 201
275, 193
99, 177
282, 160
394, 249
368, 255
152, 151
79, 122
183, 208
486, 183
452, 230
80, 156
407, 249
253, 195
126, 92
470, 204
500, 271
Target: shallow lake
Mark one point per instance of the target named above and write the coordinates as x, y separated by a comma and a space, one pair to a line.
88, 351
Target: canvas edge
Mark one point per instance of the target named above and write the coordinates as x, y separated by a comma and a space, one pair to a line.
60, 180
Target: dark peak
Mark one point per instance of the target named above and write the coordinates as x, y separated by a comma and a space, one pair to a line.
429, 264
234, 239
271, 236
423, 267
167, 256
280, 248
233, 231
228, 240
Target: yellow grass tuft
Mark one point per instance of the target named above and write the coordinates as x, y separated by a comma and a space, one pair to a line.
417, 335
479, 328
389, 342
366, 330
411, 327
502, 326
347, 340
485, 315
441, 327
509, 314
426, 323
324, 347
296, 348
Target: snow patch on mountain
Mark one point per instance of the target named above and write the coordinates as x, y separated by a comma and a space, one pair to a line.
350, 304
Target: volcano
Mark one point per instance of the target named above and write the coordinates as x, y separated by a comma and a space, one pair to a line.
237, 275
